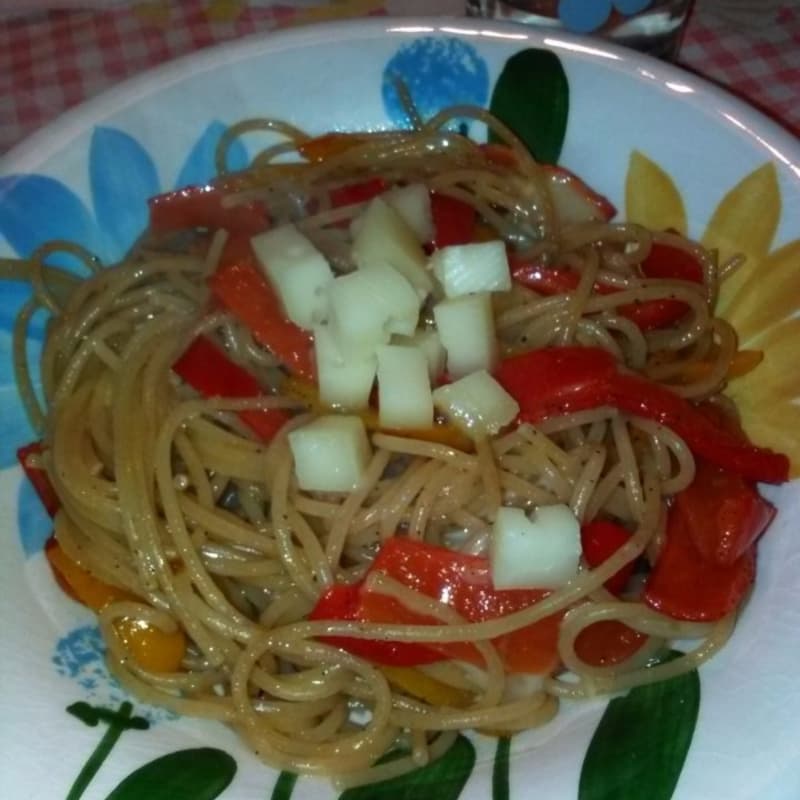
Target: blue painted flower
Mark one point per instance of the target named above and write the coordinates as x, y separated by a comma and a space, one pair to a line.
438, 72
585, 16
80, 656
35, 209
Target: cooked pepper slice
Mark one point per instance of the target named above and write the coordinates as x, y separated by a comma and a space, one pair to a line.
38, 477
600, 539
202, 207
724, 514
206, 368
247, 294
685, 586
663, 261
560, 380
462, 582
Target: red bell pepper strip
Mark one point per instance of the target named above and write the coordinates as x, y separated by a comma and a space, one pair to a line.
202, 207
245, 292
606, 643
345, 602
685, 586
464, 583
663, 261
38, 477
454, 221
499, 154
600, 539
560, 380
207, 369
724, 514
358, 192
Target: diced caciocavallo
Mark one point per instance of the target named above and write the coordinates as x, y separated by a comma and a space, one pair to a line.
404, 388
299, 273
383, 238
429, 341
367, 306
469, 268
413, 204
330, 453
540, 551
477, 404
466, 329
345, 380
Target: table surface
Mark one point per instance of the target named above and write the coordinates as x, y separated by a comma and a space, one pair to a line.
53, 55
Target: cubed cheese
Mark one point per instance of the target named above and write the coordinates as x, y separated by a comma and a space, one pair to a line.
477, 404
429, 341
404, 389
330, 454
541, 551
413, 204
367, 306
298, 272
382, 237
345, 380
466, 329
468, 268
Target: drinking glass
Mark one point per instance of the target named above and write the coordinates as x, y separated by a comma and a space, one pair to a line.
652, 26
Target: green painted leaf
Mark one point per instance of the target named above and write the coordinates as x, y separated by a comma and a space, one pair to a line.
199, 774
641, 742
500, 783
284, 786
532, 97
442, 780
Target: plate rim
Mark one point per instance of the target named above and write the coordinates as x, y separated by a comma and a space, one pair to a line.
56, 134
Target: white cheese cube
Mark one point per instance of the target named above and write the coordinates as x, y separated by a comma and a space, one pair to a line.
330, 454
467, 268
344, 381
367, 306
477, 404
413, 204
538, 552
298, 272
382, 237
404, 388
466, 328
429, 341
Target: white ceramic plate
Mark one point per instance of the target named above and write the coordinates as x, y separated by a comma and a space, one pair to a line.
156, 132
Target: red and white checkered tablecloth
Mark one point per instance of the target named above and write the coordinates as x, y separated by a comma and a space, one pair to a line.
52, 60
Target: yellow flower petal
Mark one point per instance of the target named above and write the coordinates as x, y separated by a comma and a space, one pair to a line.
651, 197
768, 296
777, 377
767, 397
745, 223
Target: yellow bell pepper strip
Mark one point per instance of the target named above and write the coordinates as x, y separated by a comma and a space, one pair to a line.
560, 380
153, 649
743, 361
321, 148
424, 687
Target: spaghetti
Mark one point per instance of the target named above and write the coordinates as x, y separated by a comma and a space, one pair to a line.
199, 527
